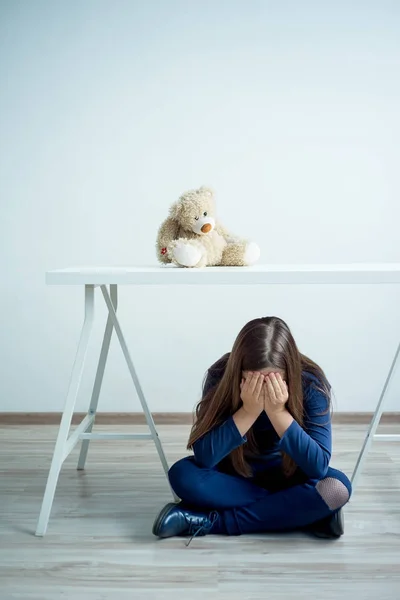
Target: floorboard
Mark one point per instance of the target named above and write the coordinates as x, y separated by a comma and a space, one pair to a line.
99, 544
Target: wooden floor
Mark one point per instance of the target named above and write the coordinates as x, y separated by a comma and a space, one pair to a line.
99, 544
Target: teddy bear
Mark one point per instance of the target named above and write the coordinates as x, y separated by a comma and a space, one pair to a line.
192, 237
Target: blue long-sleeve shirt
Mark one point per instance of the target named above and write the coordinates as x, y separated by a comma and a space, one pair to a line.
310, 446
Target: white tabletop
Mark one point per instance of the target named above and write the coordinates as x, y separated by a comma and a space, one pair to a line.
357, 273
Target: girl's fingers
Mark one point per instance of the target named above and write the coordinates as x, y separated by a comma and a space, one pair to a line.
259, 384
253, 381
282, 384
275, 384
270, 390
265, 391
244, 383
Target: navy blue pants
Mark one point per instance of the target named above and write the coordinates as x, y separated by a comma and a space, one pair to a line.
245, 507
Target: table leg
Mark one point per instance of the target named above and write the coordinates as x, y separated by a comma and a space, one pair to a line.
375, 421
61, 443
99, 377
136, 382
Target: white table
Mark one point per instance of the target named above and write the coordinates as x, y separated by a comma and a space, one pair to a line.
90, 278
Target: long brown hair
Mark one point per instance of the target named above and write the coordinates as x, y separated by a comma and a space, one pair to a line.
261, 344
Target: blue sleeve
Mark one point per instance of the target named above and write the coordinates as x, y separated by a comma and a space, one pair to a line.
217, 443
210, 449
310, 446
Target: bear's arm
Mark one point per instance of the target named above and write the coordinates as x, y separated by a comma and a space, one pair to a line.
226, 234
167, 232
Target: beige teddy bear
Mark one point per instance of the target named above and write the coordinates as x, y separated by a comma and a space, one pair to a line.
192, 237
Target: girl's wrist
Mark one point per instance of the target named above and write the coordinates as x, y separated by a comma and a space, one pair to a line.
244, 420
252, 413
281, 421
276, 411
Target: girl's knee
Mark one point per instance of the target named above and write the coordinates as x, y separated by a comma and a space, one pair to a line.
335, 490
178, 472
188, 480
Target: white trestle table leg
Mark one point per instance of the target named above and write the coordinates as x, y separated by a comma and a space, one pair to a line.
136, 382
61, 447
375, 422
99, 378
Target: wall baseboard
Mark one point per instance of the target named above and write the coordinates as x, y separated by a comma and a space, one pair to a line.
162, 418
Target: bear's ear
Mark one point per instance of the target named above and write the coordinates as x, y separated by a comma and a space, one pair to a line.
206, 190
176, 209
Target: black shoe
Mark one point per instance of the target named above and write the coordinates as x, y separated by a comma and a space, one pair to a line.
329, 528
174, 520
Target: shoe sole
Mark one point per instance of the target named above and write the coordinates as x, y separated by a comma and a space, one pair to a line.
160, 518
337, 528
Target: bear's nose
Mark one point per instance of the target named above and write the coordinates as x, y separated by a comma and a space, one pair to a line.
206, 228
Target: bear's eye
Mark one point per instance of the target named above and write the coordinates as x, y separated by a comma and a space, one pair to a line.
205, 214
196, 218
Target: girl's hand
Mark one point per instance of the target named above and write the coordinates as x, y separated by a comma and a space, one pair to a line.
276, 395
251, 393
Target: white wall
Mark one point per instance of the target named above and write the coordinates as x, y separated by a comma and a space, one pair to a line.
110, 109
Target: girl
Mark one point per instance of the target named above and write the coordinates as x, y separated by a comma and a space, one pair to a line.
262, 445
